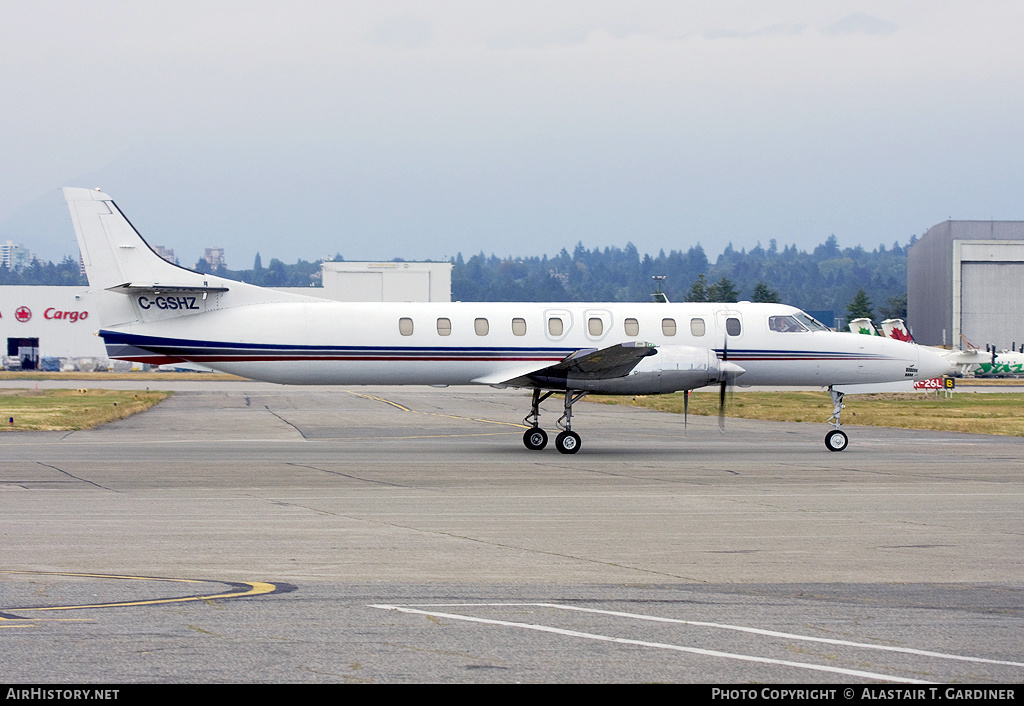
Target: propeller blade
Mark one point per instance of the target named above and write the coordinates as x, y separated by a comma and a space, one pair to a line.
686, 407
721, 389
721, 406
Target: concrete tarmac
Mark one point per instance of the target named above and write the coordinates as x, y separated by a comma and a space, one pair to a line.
244, 532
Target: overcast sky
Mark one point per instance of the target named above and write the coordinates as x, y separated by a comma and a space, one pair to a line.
423, 129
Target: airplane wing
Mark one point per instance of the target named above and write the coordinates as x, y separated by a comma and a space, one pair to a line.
587, 363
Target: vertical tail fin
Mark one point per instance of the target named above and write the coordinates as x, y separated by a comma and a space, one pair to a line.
863, 326
113, 251
896, 328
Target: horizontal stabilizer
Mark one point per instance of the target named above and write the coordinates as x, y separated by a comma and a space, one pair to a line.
155, 288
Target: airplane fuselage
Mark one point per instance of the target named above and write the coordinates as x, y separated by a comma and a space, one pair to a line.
461, 343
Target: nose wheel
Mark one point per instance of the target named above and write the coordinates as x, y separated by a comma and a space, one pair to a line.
836, 440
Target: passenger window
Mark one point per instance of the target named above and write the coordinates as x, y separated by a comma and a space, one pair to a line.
405, 326
732, 326
519, 327
595, 326
555, 326
481, 327
444, 327
668, 327
697, 327
632, 327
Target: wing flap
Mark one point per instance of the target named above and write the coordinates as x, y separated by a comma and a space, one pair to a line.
586, 364
612, 362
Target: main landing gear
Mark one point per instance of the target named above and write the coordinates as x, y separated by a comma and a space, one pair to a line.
836, 440
535, 438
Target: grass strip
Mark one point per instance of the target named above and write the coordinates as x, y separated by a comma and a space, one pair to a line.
71, 410
971, 412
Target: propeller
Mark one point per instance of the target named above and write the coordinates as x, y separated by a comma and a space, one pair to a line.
728, 373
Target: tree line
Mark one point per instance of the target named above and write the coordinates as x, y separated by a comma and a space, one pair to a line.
829, 278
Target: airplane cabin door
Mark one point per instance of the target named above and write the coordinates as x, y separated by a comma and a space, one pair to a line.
729, 324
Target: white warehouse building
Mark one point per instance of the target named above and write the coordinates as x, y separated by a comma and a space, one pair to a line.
54, 322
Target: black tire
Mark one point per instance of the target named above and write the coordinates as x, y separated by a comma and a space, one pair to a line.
535, 439
836, 440
568, 442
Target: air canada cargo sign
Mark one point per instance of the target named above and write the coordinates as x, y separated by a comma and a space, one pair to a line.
24, 315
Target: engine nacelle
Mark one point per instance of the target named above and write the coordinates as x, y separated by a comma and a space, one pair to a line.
674, 368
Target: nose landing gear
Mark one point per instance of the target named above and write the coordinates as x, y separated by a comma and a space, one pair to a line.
836, 440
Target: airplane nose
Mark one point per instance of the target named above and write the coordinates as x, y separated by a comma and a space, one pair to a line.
932, 365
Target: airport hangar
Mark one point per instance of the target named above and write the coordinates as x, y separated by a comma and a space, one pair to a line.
41, 323
967, 277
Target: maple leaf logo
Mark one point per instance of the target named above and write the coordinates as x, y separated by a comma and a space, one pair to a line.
901, 335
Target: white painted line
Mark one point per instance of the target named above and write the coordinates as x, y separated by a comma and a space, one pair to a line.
658, 645
789, 636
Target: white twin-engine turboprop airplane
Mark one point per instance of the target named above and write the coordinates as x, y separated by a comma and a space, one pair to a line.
172, 314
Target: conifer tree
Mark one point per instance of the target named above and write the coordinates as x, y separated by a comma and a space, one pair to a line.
762, 293
698, 290
860, 307
723, 291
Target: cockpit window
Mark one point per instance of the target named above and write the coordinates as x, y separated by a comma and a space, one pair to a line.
786, 324
811, 323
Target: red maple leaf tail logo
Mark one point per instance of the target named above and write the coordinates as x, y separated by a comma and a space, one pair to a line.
901, 335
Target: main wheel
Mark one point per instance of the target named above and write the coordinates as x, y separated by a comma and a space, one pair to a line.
568, 442
535, 439
836, 440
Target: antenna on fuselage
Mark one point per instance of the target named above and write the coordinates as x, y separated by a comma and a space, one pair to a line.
659, 289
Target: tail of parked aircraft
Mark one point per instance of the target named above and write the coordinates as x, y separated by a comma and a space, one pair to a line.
863, 326
896, 328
